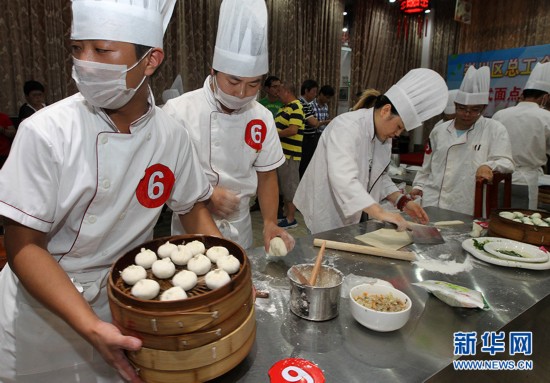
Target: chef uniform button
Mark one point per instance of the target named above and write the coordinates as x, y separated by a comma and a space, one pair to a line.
217, 144
122, 216
92, 219
104, 139
214, 117
106, 184
148, 136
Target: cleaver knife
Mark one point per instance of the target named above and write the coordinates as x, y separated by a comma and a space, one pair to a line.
425, 235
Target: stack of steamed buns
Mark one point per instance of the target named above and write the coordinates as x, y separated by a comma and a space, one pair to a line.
194, 255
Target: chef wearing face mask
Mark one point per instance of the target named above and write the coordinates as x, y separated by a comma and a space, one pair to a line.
234, 136
347, 174
467, 148
528, 125
104, 162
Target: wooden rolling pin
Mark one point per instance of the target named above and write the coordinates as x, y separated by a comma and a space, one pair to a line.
395, 254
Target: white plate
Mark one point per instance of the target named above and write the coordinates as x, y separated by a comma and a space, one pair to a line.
468, 245
526, 253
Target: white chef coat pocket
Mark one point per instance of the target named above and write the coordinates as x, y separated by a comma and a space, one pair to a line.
45, 343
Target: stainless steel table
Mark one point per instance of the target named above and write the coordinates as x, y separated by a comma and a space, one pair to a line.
423, 349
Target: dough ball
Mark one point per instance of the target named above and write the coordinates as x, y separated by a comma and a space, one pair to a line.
229, 263
173, 294
518, 214
145, 258
216, 278
199, 264
507, 214
185, 279
535, 215
277, 247
146, 289
181, 255
166, 249
196, 247
163, 268
133, 273
215, 252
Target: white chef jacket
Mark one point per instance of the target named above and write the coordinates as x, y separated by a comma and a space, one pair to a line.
97, 193
528, 126
447, 177
231, 148
346, 174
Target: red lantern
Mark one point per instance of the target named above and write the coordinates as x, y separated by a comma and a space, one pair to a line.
411, 7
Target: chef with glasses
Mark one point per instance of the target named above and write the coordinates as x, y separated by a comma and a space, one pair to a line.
467, 148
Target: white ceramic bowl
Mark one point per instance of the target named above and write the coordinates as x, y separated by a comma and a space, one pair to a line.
379, 320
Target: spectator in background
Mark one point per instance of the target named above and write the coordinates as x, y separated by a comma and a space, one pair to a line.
308, 92
7, 132
273, 104
271, 100
320, 107
34, 94
290, 126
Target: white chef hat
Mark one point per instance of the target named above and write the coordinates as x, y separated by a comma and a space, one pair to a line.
421, 94
450, 108
241, 42
539, 78
133, 21
474, 89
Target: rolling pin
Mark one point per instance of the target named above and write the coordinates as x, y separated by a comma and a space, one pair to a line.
362, 249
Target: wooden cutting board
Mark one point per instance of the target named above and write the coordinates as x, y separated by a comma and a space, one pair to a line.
390, 239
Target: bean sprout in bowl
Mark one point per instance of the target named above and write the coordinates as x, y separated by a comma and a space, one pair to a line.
379, 307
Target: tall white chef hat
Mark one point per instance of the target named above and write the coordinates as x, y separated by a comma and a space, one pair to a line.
241, 42
474, 89
133, 21
539, 78
450, 108
418, 96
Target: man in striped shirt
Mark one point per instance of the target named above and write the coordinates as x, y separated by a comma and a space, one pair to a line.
290, 126
308, 93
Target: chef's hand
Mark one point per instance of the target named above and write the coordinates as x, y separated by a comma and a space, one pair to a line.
484, 172
416, 212
377, 212
110, 342
415, 193
223, 202
271, 230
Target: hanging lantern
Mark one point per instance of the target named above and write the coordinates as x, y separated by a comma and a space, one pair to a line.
412, 7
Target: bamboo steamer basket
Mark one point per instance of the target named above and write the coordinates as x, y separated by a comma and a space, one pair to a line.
218, 327
517, 231
190, 340
199, 364
203, 310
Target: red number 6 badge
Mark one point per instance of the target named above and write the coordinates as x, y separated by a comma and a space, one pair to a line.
255, 134
155, 187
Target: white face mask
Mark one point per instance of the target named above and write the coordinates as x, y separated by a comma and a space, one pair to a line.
104, 85
229, 101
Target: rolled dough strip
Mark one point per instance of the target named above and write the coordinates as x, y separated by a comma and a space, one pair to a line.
448, 223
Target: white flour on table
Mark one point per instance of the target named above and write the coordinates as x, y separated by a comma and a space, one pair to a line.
444, 266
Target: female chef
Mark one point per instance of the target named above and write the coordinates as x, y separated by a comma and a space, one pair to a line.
103, 163
347, 175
